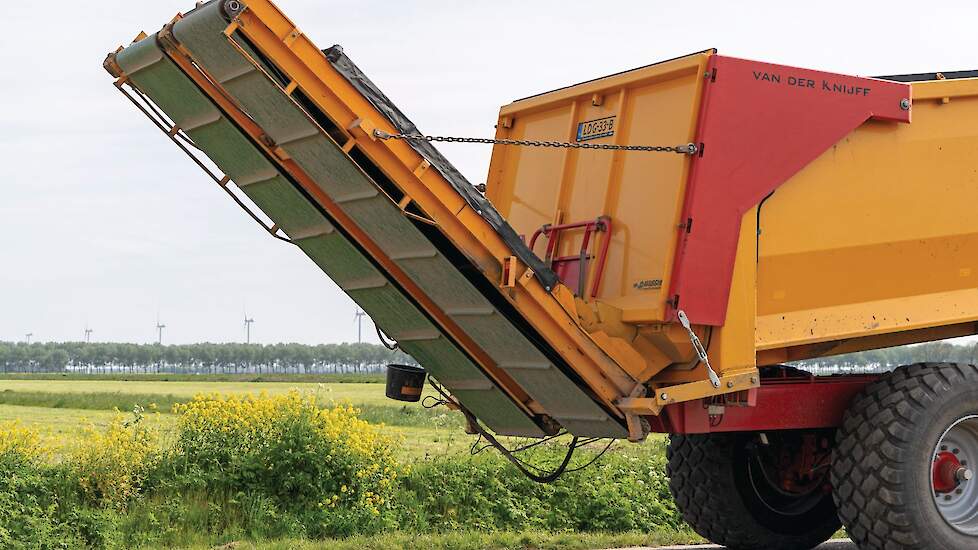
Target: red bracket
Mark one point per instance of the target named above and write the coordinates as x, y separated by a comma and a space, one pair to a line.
572, 270
759, 124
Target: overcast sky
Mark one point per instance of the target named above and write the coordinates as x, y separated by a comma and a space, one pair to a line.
103, 222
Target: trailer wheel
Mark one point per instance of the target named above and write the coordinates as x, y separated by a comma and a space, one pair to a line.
903, 466
755, 491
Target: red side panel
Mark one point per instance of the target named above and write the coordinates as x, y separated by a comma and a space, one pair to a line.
781, 404
759, 125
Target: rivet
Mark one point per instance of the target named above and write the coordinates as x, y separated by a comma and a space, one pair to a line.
730, 384
905, 104
664, 396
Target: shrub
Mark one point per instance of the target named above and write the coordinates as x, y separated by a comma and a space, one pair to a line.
19, 445
261, 468
333, 468
111, 465
28, 510
619, 493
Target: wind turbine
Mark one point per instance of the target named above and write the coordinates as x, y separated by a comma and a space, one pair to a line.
159, 328
88, 334
247, 323
358, 316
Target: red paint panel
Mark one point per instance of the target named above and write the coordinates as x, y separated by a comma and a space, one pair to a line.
759, 124
801, 403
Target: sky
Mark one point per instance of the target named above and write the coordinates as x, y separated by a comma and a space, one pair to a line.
105, 224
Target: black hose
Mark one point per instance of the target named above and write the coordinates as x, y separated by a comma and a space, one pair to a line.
549, 477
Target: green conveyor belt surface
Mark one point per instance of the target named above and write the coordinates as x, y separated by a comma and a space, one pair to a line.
155, 75
339, 177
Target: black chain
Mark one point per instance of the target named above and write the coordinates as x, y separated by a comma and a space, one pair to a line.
687, 149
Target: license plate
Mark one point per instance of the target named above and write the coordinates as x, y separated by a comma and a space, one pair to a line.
594, 129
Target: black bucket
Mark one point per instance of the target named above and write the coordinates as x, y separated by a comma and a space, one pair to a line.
405, 382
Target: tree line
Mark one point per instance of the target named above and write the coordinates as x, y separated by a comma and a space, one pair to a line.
882, 360
102, 358
99, 358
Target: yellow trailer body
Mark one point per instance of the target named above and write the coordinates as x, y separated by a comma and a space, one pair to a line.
651, 247
886, 203
593, 302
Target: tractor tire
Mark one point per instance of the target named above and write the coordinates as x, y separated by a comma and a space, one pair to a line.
715, 485
901, 473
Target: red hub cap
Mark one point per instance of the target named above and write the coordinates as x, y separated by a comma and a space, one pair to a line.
946, 467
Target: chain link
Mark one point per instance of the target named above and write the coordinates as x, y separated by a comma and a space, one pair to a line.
687, 149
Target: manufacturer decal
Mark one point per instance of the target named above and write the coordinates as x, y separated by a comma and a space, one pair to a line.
594, 129
648, 284
821, 84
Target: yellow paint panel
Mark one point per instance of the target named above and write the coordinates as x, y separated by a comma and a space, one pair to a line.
640, 191
878, 234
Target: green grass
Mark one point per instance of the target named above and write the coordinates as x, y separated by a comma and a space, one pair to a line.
64, 411
99, 401
389, 412
371, 378
61, 428
473, 540
357, 393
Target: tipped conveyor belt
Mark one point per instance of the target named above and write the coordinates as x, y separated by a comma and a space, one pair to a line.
366, 199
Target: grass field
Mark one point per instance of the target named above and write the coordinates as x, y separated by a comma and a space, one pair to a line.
61, 410
357, 393
62, 428
65, 410
372, 378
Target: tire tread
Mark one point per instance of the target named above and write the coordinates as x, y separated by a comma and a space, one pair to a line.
870, 464
699, 477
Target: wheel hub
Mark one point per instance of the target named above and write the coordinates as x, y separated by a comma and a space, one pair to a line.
949, 473
955, 493
789, 476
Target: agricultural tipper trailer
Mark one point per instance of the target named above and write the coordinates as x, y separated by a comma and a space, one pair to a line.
649, 250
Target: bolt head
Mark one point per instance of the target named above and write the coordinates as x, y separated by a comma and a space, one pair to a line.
905, 104
664, 396
730, 384
964, 474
